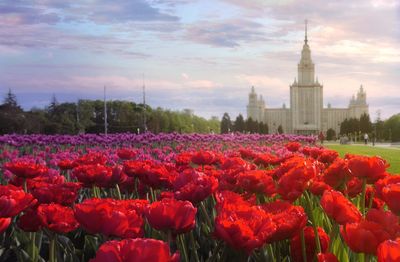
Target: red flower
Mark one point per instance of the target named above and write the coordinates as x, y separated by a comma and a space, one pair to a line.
170, 214
4, 223
266, 159
318, 186
366, 235
371, 168
327, 257
150, 173
14, 200
337, 173
289, 219
139, 250
389, 251
339, 208
292, 184
99, 175
376, 202
63, 194
204, 158
93, 158
57, 218
243, 226
66, 164
353, 187
110, 217
126, 153
256, 181
183, 159
327, 156
391, 195
194, 186
26, 169
30, 221
293, 146
380, 184
295, 244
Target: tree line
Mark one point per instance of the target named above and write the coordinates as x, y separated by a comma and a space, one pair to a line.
87, 116
243, 126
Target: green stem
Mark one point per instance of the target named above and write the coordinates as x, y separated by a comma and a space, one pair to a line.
183, 247
192, 241
33, 245
205, 214
25, 186
118, 192
52, 248
303, 245
364, 189
312, 218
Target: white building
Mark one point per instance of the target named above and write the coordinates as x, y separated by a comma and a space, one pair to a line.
306, 114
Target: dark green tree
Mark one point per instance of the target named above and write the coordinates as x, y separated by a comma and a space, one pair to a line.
239, 125
330, 134
280, 129
365, 124
226, 124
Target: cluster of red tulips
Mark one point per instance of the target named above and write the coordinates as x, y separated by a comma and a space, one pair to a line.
299, 203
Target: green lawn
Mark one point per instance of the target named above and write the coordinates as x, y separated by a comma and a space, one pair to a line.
392, 155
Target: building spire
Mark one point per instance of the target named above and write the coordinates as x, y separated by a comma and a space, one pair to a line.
305, 25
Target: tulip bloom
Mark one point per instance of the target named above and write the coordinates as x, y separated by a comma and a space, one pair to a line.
289, 219
139, 249
99, 175
26, 169
389, 251
14, 200
4, 223
194, 186
170, 214
327, 257
370, 168
339, 208
292, 184
63, 194
126, 153
204, 158
295, 244
256, 181
110, 217
391, 195
57, 218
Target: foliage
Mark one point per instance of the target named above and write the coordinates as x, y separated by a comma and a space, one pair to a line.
330, 134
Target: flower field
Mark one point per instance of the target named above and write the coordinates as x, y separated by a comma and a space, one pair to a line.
174, 197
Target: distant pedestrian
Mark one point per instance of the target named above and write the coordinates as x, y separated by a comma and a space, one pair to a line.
365, 138
321, 137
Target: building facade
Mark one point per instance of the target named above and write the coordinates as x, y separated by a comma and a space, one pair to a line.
306, 114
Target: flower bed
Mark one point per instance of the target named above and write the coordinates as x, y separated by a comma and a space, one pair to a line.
173, 197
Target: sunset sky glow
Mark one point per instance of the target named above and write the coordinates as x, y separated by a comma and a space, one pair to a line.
198, 54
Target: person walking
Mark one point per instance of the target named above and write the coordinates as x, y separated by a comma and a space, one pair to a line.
321, 137
365, 138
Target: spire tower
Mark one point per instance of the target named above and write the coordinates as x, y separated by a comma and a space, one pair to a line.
305, 25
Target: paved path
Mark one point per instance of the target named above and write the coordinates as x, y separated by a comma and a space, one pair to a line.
381, 145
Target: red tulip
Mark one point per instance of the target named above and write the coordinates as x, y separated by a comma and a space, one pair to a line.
170, 214
4, 223
327, 156
138, 250
256, 181
110, 217
295, 244
25, 169
30, 221
57, 218
389, 251
289, 219
14, 200
63, 194
293, 146
339, 208
126, 153
66, 164
99, 175
391, 195
337, 173
204, 158
327, 257
92, 158
292, 184
194, 186
371, 168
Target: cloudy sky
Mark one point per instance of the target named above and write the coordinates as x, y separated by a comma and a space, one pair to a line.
198, 54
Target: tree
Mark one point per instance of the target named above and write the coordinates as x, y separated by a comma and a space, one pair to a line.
251, 125
330, 134
226, 124
365, 124
10, 99
392, 128
280, 129
239, 125
263, 128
